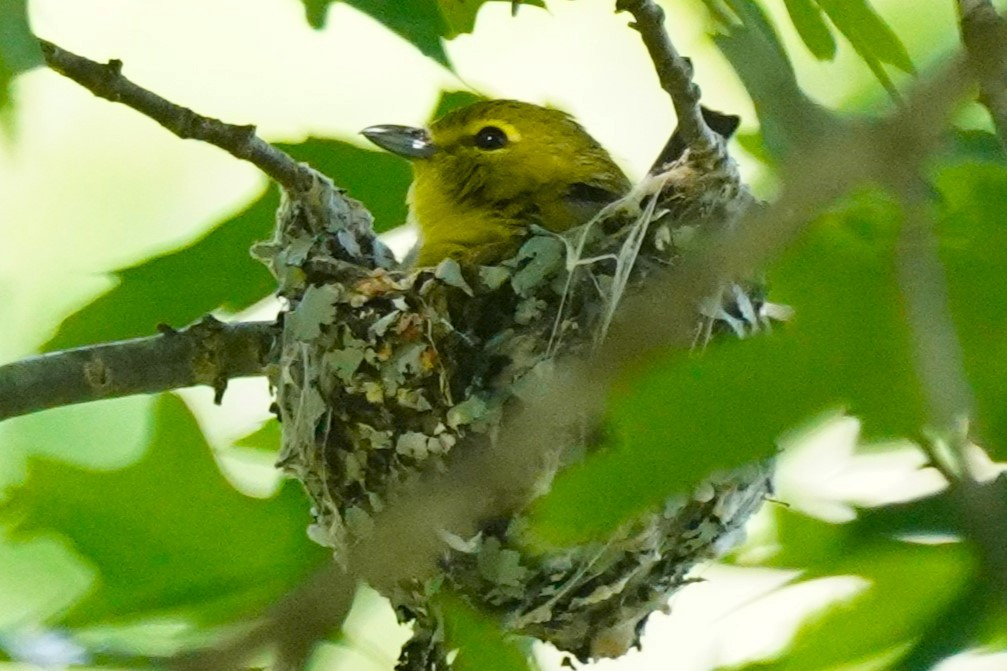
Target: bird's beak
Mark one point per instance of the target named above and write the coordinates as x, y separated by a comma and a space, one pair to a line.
405, 141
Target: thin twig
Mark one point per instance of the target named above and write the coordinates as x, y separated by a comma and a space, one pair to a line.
105, 80
674, 72
208, 353
984, 32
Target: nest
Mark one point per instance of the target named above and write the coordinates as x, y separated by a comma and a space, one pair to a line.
386, 374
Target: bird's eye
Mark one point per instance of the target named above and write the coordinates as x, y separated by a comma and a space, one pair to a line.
491, 137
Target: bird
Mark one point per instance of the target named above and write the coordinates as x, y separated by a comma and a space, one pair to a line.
388, 376
485, 173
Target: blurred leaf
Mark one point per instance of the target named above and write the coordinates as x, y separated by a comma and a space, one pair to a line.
975, 614
376, 178
421, 22
19, 50
752, 46
479, 639
315, 12
749, 15
38, 579
806, 543
460, 15
667, 435
811, 26
850, 332
995, 633
677, 417
755, 146
975, 146
820, 549
935, 515
168, 535
265, 438
948, 609
451, 100
179, 287
910, 585
973, 246
870, 37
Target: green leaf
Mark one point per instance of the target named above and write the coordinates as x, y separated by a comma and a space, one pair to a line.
424, 23
935, 516
315, 11
38, 579
787, 117
913, 587
460, 15
976, 614
419, 22
753, 18
973, 247
916, 593
451, 100
910, 585
669, 429
266, 438
975, 146
678, 417
850, 331
807, 18
807, 543
19, 50
479, 639
179, 287
376, 178
168, 536
755, 146
870, 37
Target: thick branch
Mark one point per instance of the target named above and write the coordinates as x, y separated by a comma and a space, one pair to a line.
106, 81
674, 72
984, 33
208, 353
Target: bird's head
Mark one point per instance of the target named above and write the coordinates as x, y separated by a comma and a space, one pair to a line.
484, 170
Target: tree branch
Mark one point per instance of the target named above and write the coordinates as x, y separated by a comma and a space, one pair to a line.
674, 71
984, 32
106, 81
939, 359
209, 352
940, 367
